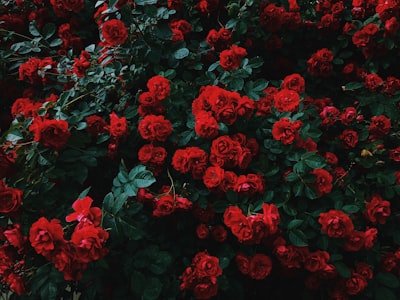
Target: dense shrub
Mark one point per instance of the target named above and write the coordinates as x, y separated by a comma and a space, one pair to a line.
200, 149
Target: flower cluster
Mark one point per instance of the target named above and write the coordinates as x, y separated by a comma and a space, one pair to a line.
87, 243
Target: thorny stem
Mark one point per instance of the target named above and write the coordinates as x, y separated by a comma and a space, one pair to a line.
77, 98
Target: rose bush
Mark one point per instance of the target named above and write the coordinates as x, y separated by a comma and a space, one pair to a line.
170, 149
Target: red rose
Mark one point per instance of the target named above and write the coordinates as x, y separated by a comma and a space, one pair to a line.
349, 137
320, 63
316, 261
159, 86
260, 266
232, 58
286, 100
213, 177
243, 263
394, 154
89, 243
181, 161
335, 223
28, 71
379, 127
331, 158
118, 126
84, 213
372, 82
45, 236
329, 115
10, 199
202, 231
15, 237
272, 17
114, 32
354, 241
365, 270
249, 184
24, 107
206, 125
323, 182
205, 290
370, 238
348, 116
224, 152
271, 217
219, 233
16, 283
165, 205
377, 210
95, 125
50, 133
294, 82
233, 215
355, 284
207, 265
285, 131
391, 26
155, 128
182, 25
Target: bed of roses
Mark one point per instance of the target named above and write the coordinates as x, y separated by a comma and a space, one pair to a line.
201, 149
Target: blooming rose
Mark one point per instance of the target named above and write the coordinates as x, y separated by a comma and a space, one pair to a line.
365, 270
323, 182
286, 100
219, 233
10, 199
15, 236
45, 236
377, 210
207, 265
349, 138
89, 243
243, 263
271, 217
206, 125
114, 32
202, 231
84, 213
213, 177
118, 126
335, 223
249, 184
316, 261
95, 125
50, 133
285, 131
159, 86
232, 58
348, 116
155, 128
260, 266
355, 284
379, 127
394, 154
294, 82
165, 205
370, 238
354, 241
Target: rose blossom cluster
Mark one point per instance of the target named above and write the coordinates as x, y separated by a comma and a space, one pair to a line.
12, 258
201, 277
225, 107
10, 199
252, 229
258, 266
87, 242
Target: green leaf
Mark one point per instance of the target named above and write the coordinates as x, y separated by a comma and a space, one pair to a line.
138, 281
84, 193
342, 269
146, 2
49, 290
181, 53
298, 238
294, 224
56, 42
108, 202
33, 29
383, 293
351, 86
152, 288
350, 208
310, 192
48, 30
119, 202
388, 279
130, 231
